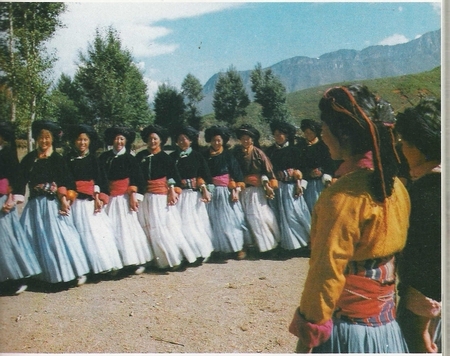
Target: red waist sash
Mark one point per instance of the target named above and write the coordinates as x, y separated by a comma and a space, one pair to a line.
363, 297
221, 181
85, 187
158, 186
4, 186
253, 180
118, 187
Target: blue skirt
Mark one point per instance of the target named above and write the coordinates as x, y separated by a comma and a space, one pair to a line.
55, 241
17, 258
312, 192
228, 222
354, 338
293, 216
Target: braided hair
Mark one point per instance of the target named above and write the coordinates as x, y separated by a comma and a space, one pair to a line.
363, 122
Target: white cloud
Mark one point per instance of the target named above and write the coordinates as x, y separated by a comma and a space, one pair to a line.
135, 23
437, 6
393, 40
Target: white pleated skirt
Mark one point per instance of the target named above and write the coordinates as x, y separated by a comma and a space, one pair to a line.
260, 218
55, 240
97, 236
195, 223
228, 222
162, 226
293, 216
131, 241
17, 258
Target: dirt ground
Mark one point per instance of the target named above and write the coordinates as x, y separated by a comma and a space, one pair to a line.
222, 306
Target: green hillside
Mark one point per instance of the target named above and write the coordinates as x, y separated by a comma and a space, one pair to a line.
401, 92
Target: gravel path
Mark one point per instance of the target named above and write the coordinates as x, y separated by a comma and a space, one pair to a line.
219, 307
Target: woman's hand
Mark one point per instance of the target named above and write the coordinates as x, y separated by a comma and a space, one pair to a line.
270, 193
134, 204
64, 206
298, 192
206, 195
235, 195
98, 204
9, 204
172, 196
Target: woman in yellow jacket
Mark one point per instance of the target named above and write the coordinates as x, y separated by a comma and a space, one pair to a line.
358, 225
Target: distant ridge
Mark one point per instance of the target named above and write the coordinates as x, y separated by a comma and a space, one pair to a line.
297, 73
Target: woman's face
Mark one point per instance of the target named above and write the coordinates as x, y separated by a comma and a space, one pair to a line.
153, 142
217, 142
280, 137
310, 135
183, 142
412, 154
332, 142
246, 141
119, 142
82, 143
45, 140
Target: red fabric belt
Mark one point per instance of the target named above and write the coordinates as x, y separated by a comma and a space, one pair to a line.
158, 186
85, 187
118, 187
253, 180
363, 297
221, 181
4, 186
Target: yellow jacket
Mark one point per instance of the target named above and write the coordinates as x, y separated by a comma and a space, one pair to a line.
349, 225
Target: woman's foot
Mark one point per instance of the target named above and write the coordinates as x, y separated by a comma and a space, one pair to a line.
139, 270
81, 280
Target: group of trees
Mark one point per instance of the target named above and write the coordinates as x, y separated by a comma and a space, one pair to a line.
108, 88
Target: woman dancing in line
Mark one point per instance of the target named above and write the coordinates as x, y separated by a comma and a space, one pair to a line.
419, 266
225, 211
293, 216
157, 214
358, 225
17, 258
260, 184
124, 176
93, 224
318, 165
195, 176
46, 217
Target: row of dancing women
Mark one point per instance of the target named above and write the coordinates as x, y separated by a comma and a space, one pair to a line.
88, 214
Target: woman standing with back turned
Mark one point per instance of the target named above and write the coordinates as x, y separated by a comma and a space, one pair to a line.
358, 225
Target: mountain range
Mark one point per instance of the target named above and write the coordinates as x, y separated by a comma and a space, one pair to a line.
297, 73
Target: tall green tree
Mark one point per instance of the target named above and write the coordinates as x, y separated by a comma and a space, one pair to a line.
26, 64
270, 93
230, 98
169, 107
111, 88
192, 90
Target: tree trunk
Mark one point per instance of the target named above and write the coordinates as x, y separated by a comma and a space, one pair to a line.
32, 118
11, 54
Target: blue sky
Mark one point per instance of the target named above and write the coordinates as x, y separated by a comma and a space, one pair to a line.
170, 40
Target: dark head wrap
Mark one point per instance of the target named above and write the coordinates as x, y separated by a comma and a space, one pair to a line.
421, 126
222, 131
190, 132
51, 126
313, 125
74, 131
159, 130
359, 119
285, 127
249, 130
7, 132
112, 132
